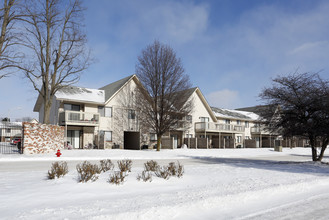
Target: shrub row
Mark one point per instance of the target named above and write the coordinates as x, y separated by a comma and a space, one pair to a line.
164, 172
89, 172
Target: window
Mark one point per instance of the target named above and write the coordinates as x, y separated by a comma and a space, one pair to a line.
153, 137
189, 136
238, 139
189, 118
101, 111
8, 130
108, 112
246, 124
247, 138
131, 114
238, 122
71, 107
227, 121
204, 119
108, 136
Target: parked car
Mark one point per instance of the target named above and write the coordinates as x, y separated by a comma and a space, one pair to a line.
15, 140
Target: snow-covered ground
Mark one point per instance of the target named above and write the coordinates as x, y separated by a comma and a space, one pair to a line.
217, 184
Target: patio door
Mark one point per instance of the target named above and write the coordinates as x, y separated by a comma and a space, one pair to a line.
175, 137
73, 137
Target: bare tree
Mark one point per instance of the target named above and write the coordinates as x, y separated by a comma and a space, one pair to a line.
162, 75
57, 47
9, 38
303, 109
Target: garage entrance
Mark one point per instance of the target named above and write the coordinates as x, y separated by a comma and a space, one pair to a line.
131, 140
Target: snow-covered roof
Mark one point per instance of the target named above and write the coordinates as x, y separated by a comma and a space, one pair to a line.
11, 124
81, 94
234, 114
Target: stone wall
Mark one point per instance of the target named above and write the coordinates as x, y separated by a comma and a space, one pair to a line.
42, 138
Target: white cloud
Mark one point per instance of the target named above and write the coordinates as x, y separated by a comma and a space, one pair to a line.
224, 99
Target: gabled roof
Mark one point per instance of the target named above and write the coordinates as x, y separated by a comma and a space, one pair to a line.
114, 87
205, 103
186, 94
234, 114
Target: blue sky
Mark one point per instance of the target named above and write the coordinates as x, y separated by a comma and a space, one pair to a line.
230, 48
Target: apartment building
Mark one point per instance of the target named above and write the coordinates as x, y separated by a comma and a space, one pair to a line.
107, 118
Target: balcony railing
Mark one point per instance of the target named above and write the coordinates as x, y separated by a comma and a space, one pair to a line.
255, 130
78, 118
260, 130
216, 127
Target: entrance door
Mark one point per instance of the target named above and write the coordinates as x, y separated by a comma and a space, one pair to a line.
131, 140
73, 137
175, 136
257, 142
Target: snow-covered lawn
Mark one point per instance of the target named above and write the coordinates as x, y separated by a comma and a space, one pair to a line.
217, 184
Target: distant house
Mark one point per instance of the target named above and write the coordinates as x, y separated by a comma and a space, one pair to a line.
9, 130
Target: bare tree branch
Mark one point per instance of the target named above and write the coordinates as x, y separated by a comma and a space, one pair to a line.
56, 45
10, 57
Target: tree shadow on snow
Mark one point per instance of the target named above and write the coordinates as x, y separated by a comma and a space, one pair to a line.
307, 167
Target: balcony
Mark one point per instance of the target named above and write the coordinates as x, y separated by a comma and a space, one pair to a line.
78, 118
261, 130
215, 127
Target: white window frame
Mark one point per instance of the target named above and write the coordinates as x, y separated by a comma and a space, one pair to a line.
131, 114
153, 137
108, 136
108, 112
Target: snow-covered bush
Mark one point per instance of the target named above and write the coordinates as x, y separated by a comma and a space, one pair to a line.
106, 165
125, 165
164, 172
176, 169
151, 166
145, 176
58, 169
117, 177
88, 171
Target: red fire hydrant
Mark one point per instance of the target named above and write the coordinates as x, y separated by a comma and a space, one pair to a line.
58, 153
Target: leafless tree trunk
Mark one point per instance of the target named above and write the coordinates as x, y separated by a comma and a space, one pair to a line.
162, 75
9, 38
56, 45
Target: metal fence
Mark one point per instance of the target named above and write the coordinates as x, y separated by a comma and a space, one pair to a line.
10, 137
